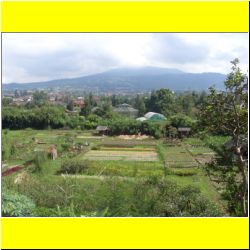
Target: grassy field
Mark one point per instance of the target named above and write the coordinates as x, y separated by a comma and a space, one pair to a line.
114, 164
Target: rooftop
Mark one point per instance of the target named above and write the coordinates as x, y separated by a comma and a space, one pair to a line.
101, 128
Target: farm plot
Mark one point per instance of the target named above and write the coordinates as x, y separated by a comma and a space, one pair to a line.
179, 157
121, 155
202, 154
114, 142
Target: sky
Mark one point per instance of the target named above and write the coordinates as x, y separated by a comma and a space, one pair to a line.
34, 57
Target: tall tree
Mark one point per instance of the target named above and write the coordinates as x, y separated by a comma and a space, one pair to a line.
70, 105
161, 101
86, 109
140, 105
227, 112
40, 97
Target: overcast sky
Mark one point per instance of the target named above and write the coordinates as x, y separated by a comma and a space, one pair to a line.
30, 57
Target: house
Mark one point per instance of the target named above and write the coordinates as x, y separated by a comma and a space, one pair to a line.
79, 103
183, 131
18, 101
127, 110
102, 130
155, 116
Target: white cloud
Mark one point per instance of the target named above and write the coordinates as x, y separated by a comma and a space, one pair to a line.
44, 56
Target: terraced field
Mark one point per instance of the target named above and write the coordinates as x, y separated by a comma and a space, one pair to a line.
179, 157
121, 155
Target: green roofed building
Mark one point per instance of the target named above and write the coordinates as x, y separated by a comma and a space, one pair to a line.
152, 116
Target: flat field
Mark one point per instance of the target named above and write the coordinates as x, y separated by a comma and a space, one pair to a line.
121, 155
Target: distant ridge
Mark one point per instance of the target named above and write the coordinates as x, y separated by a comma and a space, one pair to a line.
131, 79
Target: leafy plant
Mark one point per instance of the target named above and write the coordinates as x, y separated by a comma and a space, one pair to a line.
39, 159
74, 166
14, 205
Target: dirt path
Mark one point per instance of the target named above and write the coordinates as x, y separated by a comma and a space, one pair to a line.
12, 170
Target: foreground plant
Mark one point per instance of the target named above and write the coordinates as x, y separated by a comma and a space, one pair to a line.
226, 112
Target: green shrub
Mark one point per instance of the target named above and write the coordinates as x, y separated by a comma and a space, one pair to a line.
65, 146
181, 120
14, 205
39, 159
5, 152
164, 198
96, 147
5, 131
12, 149
183, 172
74, 166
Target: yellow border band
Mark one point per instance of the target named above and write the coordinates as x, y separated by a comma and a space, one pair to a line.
125, 16
185, 233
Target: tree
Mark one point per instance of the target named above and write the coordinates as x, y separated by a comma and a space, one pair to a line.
140, 105
161, 101
180, 120
107, 109
227, 112
17, 93
91, 99
70, 106
86, 109
40, 97
6, 101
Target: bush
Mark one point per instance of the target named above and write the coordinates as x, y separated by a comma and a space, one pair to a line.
161, 197
74, 166
183, 172
181, 120
39, 159
96, 147
14, 205
12, 149
5, 152
65, 146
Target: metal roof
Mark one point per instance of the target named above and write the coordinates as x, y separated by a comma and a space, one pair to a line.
101, 128
184, 129
150, 115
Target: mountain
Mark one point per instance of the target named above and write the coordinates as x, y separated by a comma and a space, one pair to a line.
132, 79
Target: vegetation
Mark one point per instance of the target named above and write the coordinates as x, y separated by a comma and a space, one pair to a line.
15, 205
73, 186
138, 168
227, 113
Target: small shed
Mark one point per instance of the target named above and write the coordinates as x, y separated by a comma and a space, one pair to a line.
183, 131
102, 130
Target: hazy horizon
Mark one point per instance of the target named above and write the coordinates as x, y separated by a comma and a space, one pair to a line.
38, 57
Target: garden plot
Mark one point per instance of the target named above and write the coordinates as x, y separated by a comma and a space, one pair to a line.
128, 149
121, 155
179, 157
202, 155
115, 142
